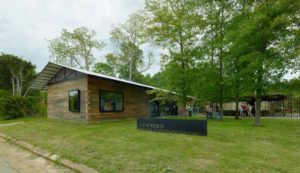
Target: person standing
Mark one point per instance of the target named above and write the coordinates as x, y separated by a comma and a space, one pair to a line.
174, 109
241, 110
244, 107
190, 110
211, 112
249, 110
253, 111
207, 111
217, 113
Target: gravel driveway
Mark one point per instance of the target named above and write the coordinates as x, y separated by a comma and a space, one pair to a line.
13, 159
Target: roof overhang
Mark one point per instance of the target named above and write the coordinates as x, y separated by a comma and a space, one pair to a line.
51, 69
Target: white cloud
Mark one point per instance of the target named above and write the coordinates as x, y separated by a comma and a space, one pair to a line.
26, 24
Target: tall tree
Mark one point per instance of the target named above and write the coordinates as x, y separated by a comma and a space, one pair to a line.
234, 62
129, 61
175, 26
218, 15
269, 41
75, 48
110, 67
16, 74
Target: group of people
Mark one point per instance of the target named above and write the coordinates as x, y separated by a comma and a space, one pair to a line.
246, 110
212, 112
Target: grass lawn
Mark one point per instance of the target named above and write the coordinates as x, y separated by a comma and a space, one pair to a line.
117, 146
24, 119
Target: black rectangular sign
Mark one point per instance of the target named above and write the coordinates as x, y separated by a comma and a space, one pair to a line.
196, 127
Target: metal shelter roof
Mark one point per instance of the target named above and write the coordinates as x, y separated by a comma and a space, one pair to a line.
51, 69
269, 97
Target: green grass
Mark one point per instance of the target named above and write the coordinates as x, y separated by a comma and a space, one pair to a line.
117, 146
24, 119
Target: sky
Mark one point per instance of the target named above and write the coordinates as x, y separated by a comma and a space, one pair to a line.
26, 25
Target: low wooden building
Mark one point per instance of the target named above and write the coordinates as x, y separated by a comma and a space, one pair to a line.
82, 95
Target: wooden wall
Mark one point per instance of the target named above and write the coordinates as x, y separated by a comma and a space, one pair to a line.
135, 100
58, 99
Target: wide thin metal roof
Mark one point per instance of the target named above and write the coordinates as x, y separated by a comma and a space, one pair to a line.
51, 69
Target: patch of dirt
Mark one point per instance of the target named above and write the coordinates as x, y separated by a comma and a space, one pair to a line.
202, 162
17, 160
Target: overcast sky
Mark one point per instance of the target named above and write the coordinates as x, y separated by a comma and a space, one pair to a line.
25, 25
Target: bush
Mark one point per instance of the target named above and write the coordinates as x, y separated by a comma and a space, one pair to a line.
38, 104
12, 107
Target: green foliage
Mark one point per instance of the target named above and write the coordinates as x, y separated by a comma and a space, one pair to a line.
16, 74
128, 62
159, 80
290, 88
205, 82
104, 68
266, 52
75, 48
12, 107
265, 45
175, 26
16, 99
163, 96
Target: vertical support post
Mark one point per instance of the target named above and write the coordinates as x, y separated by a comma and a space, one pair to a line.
298, 105
291, 106
283, 108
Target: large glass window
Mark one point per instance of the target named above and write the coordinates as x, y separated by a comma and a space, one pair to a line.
74, 100
111, 101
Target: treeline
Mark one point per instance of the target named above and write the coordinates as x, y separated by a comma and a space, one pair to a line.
16, 99
216, 50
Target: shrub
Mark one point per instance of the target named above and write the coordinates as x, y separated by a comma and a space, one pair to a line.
12, 107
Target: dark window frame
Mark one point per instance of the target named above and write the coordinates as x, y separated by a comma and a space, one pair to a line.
109, 91
78, 100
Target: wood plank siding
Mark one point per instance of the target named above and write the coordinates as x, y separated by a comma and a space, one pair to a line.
136, 101
58, 99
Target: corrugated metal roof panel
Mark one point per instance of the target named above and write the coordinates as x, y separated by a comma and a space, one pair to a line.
45, 76
51, 69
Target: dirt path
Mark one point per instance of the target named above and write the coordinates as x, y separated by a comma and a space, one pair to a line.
10, 124
14, 159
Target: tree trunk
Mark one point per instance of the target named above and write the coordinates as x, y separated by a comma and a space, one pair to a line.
259, 84
21, 80
25, 94
237, 109
221, 78
183, 87
87, 66
258, 110
13, 85
18, 87
78, 63
221, 58
258, 97
130, 68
